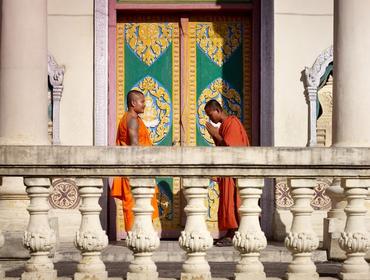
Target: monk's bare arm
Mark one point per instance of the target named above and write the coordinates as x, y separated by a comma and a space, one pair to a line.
133, 129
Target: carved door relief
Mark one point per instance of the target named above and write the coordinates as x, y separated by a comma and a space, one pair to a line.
179, 64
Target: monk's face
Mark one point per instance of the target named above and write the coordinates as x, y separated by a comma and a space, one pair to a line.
139, 104
214, 115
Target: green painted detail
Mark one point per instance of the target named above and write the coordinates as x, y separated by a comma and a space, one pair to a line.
165, 186
207, 71
135, 69
161, 71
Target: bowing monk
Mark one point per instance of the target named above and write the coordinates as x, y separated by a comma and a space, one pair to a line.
230, 133
132, 132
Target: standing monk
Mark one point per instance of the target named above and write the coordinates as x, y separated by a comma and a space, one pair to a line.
230, 133
132, 132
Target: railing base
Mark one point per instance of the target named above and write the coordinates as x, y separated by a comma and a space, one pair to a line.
91, 276
142, 276
300, 276
250, 275
40, 275
196, 276
354, 276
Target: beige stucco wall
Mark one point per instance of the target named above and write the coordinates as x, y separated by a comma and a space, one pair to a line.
71, 42
303, 29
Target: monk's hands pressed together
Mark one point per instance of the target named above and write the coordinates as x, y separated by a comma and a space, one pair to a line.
213, 131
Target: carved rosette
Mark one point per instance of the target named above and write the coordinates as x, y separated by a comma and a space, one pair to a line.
39, 241
249, 242
195, 241
142, 242
301, 242
354, 242
88, 241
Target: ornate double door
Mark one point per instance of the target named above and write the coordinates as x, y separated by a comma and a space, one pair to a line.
179, 64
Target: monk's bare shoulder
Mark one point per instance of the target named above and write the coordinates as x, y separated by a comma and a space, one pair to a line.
133, 127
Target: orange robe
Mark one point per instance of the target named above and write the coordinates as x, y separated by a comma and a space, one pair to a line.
234, 134
121, 187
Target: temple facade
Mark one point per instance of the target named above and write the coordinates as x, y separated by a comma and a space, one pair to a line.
294, 72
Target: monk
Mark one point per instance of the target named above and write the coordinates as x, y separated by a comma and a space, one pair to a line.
230, 133
132, 132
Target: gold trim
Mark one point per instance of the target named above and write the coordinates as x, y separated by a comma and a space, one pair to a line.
176, 84
120, 72
192, 131
247, 79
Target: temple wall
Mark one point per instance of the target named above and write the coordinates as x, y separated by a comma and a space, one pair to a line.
71, 42
303, 29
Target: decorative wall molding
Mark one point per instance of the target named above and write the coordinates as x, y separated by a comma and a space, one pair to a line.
312, 78
101, 73
56, 78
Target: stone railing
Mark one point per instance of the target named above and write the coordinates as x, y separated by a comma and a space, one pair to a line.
38, 164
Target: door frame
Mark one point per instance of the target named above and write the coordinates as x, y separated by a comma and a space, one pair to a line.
183, 11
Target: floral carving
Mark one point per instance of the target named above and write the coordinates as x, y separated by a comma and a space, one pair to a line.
218, 40
42, 240
314, 73
249, 242
89, 241
301, 242
148, 40
195, 241
141, 241
354, 242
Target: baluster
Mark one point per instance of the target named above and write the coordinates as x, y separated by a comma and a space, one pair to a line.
302, 240
355, 238
143, 240
250, 240
39, 238
195, 239
2, 272
91, 238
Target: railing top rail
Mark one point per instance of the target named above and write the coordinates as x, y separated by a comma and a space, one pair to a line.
93, 161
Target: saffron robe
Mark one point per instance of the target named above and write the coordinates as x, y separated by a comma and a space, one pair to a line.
121, 186
234, 134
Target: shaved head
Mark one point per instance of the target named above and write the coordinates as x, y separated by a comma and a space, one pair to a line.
132, 95
213, 105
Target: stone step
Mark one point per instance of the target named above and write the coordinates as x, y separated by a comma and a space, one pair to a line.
170, 251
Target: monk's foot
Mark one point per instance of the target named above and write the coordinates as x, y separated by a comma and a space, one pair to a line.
224, 242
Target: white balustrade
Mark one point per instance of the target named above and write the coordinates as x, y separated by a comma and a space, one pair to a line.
250, 240
195, 239
39, 239
301, 239
2, 272
91, 238
355, 238
143, 240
